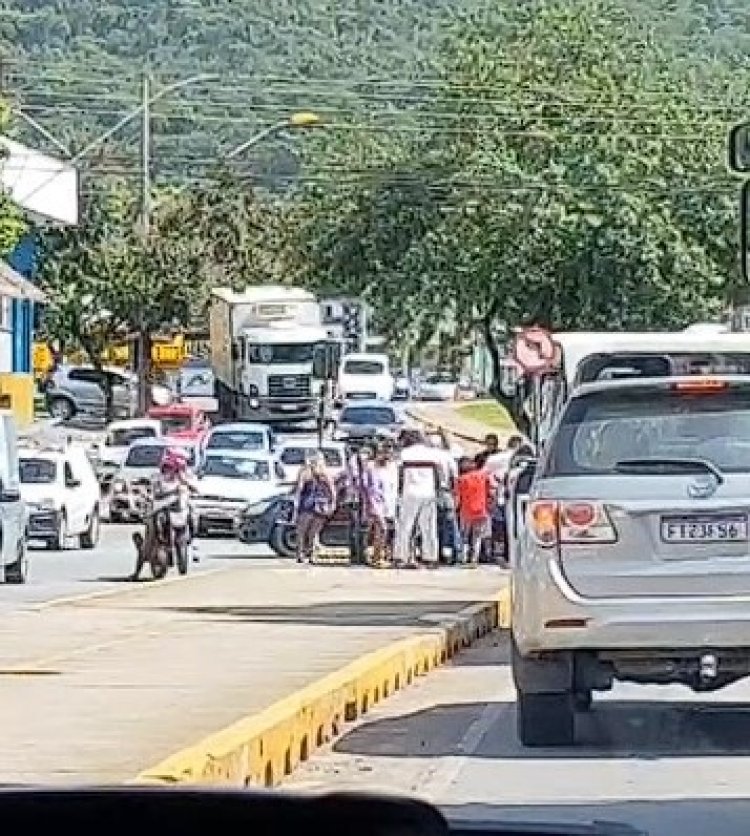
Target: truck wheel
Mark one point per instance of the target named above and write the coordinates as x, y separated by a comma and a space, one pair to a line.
546, 719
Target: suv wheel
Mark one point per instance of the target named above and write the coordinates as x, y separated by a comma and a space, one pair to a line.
546, 719
61, 408
546, 700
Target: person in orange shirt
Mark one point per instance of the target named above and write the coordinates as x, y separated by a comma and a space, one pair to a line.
473, 503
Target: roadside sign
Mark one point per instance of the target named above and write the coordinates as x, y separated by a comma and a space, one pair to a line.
535, 351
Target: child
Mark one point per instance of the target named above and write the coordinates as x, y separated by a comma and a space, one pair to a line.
473, 498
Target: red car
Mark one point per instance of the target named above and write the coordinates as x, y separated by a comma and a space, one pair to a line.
181, 421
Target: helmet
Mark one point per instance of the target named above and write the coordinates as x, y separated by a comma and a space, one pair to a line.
173, 462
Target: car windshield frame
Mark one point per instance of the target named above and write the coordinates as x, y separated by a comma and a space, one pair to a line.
53, 470
371, 412
368, 368
137, 434
309, 452
259, 434
134, 452
600, 430
234, 465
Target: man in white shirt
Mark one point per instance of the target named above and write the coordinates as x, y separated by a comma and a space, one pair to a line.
423, 472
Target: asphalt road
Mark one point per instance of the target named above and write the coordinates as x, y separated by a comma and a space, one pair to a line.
73, 572
658, 758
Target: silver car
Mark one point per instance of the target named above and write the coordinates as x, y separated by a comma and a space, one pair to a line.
72, 391
634, 562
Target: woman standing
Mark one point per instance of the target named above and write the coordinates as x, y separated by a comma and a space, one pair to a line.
315, 502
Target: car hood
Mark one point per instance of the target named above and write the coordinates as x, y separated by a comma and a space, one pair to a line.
131, 474
113, 455
366, 430
240, 489
33, 494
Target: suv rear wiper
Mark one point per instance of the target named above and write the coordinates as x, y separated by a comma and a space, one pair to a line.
664, 466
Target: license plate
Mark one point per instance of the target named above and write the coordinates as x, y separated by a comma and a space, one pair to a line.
704, 529
289, 407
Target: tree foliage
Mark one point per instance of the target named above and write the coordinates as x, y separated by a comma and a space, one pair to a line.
11, 221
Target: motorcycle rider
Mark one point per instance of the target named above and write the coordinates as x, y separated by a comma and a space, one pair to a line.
166, 487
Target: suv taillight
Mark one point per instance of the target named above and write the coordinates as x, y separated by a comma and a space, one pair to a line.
576, 522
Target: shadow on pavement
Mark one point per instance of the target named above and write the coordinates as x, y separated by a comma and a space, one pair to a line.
494, 650
688, 816
615, 728
349, 614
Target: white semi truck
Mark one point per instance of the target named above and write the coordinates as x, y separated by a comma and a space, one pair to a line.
263, 344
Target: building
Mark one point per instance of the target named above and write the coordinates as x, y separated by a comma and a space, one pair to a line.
46, 189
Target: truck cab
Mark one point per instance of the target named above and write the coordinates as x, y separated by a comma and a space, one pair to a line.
264, 341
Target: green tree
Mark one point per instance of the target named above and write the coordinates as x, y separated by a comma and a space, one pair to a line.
11, 220
577, 176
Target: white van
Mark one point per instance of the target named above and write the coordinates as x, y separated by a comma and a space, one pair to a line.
13, 559
365, 377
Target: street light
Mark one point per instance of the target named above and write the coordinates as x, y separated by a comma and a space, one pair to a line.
301, 119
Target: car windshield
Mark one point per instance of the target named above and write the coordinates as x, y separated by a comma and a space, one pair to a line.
176, 423
294, 456
127, 435
144, 455
237, 440
601, 429
368, 415
364, 367
237, 468
37, 471
281, 353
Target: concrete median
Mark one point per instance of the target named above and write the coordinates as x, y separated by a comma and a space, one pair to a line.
262, 749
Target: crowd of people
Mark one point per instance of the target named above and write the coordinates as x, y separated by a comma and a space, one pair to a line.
411, 497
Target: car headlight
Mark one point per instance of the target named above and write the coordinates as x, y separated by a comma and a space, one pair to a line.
256, 509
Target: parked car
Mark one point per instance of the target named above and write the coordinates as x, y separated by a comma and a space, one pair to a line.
14, 563
61, 492
132, 482
78, 391
440, 386
228, 481
294, 454
634, 564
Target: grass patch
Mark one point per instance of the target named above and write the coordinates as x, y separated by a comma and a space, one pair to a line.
489, 413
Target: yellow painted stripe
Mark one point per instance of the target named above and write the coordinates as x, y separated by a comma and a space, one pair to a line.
262, 749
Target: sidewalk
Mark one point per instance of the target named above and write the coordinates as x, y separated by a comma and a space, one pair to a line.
446, 416
98, 689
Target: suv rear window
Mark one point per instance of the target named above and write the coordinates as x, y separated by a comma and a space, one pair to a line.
602, 428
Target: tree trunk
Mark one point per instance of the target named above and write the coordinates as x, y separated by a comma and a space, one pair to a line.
105, 381
514, 404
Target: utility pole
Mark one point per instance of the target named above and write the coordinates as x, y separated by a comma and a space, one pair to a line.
143, 354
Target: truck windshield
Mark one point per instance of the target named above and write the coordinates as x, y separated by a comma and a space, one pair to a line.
281, 353
363, 367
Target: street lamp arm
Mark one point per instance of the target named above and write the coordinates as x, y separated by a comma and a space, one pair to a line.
40, 129
134, 114
254, 140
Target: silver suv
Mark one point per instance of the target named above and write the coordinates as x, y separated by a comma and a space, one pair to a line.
634, 563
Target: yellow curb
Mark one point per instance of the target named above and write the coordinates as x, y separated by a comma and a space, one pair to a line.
262, 749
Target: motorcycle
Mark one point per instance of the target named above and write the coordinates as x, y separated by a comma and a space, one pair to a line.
166, 540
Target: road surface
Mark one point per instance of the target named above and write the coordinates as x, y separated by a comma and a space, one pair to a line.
660, 758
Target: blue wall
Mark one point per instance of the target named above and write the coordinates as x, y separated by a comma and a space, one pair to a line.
23, 259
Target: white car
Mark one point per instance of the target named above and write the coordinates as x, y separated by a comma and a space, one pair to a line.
365, 377
294, 454
441, 386
241, 436
121, 434
133, 480
61, 492
228, 481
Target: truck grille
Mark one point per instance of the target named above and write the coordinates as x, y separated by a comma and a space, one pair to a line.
289, 386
